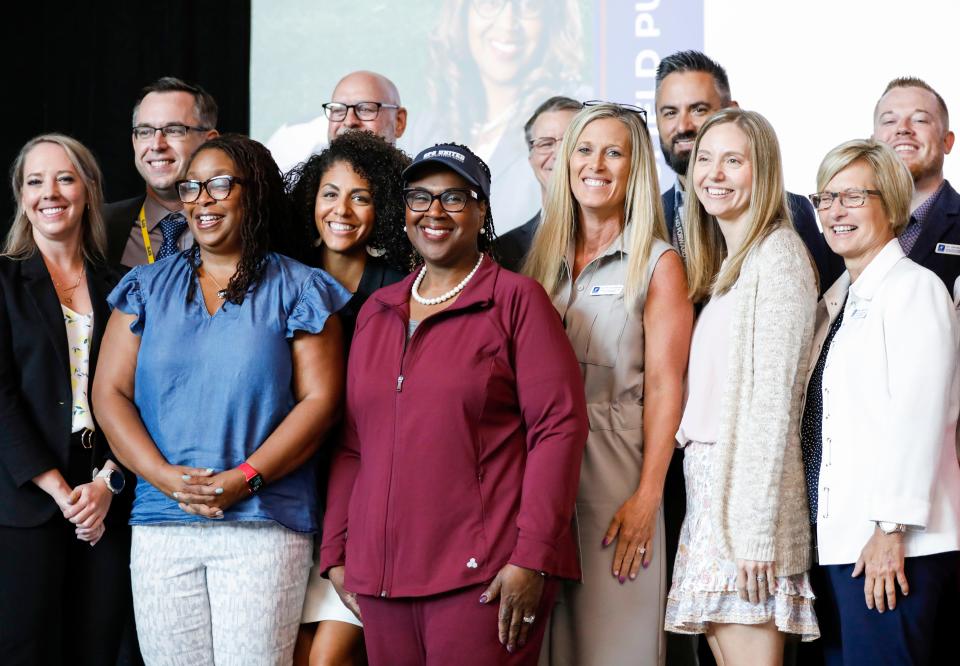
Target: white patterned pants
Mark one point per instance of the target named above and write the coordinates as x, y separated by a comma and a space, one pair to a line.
218, 593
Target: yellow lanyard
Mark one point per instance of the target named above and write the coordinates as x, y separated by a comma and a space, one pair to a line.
146, 236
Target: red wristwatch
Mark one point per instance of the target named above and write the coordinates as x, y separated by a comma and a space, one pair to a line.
254, 480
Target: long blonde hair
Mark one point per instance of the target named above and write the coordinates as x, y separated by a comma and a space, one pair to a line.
20, 243
642, 211
706, 248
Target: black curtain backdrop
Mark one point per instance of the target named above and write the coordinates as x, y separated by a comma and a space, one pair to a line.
77, 67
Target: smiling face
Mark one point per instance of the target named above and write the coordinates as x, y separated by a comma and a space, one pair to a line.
548, 125
53, 195
215, 224
442, 238
909, 120
723, 172
504, 44
344, 212
856, 234
684, 102
161, 161
368, 87
600, 166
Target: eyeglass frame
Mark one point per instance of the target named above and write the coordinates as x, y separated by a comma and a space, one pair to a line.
437, 197
503, 3
861, 191
204, 185
533, 148
346, 110
163, 130
642, 112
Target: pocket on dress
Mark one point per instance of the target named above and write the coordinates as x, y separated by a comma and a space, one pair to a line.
603, 348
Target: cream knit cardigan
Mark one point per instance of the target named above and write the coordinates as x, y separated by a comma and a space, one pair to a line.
759, 492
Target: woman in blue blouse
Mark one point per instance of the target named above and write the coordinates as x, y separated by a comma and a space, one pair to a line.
220, 373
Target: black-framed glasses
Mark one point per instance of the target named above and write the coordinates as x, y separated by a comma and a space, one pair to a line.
626, 107
489, 9
453, 200
217, 187
337, 112
544, 145
147, 132
854, 197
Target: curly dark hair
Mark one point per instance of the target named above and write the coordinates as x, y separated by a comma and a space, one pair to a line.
486, 241
381, 165
265, 223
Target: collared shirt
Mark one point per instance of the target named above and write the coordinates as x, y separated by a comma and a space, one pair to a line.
134, 253
677, 237
908, 237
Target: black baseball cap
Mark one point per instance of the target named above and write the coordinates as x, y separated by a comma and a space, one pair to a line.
454, 157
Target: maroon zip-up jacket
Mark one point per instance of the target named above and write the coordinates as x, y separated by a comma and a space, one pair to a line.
462, 445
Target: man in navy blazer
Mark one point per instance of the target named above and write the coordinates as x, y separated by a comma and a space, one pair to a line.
543, 133
690, 87
912, 118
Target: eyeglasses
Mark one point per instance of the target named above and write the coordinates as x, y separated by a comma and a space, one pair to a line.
625, 107
147, 132
453, 200
545, 144
337, 112
217, 187
854, 197
489, 9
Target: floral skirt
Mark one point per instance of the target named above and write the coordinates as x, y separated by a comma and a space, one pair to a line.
704, 588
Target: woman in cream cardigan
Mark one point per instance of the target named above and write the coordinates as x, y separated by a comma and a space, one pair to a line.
741, 570
879, 422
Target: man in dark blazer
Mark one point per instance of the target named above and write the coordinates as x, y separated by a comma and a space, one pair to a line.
543, 132
171, 119
912, 118
690, 87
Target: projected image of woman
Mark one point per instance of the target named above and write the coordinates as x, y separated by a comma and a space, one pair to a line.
497, 60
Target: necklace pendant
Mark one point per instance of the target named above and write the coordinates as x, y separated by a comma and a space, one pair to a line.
222, 294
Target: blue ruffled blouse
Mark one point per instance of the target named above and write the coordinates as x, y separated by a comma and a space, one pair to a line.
211, 388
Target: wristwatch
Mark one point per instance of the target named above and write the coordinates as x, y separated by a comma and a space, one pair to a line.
112, 477
254, 480
891, 528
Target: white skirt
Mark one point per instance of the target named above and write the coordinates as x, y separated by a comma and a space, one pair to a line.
322, 602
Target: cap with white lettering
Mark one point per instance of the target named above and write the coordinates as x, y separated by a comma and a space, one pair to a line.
454, 157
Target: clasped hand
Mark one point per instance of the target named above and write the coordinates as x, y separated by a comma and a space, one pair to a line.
86, 506
202, 492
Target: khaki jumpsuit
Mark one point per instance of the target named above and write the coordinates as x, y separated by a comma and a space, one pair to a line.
599, 621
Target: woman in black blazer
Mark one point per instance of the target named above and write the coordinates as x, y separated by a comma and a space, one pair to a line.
63, 561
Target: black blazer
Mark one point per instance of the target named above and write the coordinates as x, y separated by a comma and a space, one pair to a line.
941, 226
513, 246
120, 217
829, 265
35, 395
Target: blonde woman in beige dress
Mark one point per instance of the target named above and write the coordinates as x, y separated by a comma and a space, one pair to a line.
741, 570
603, 256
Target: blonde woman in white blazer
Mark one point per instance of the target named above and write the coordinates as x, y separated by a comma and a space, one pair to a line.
879, 423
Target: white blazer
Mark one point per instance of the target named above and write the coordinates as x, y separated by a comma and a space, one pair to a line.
891, 396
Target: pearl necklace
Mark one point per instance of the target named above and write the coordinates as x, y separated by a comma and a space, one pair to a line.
415, 289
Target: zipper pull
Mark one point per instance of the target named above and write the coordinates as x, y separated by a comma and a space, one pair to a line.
399, 383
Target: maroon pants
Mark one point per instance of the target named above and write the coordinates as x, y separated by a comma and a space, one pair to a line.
449, 628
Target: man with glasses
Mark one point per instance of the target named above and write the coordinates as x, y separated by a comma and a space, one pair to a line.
911, 117
690, 87
543, 133
171, 119
360, 100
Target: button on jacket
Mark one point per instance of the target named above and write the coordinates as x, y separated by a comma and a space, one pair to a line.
462, 445
890, 403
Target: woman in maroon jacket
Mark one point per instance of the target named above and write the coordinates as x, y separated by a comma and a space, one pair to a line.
465, 426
